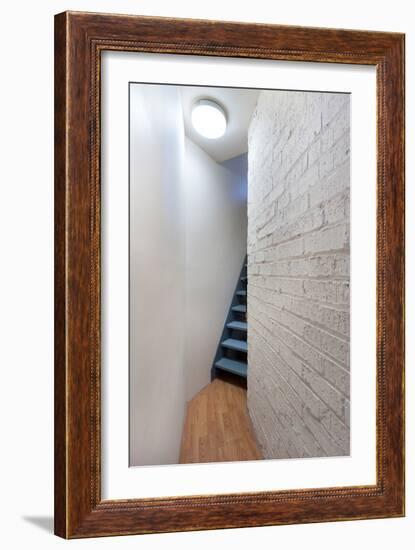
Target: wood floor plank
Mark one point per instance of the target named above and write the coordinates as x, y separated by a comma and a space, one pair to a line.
217, 426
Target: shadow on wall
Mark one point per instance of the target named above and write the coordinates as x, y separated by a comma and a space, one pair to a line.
43, 522
239, 166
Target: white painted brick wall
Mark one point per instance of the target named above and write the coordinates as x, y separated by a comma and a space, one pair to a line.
298, 267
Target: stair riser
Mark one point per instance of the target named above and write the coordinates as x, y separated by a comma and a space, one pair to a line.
238, 326
234, 367
230, 347
235, 334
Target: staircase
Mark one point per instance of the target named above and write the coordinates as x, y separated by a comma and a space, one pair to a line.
231, 355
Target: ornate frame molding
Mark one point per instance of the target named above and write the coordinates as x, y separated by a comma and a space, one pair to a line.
79, 40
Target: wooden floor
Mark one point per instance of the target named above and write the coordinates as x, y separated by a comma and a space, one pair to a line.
217, 427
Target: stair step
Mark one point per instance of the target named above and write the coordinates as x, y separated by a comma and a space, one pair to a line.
238, 345
244, 278
241, 293
239, 309
238, 325
229, 365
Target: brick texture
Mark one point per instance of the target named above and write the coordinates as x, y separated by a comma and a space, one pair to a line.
298, 267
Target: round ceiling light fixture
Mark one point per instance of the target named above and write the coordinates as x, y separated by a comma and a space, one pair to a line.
209, 119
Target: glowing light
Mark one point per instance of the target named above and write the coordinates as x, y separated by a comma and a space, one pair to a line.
209, 119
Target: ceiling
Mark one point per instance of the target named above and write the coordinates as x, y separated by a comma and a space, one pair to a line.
238, 104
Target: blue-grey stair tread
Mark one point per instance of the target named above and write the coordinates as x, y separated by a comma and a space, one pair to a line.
238, 345
238, 325
236, 367
241, 292
240, 309
244, 278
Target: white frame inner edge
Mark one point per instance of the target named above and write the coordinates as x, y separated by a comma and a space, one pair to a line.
119, 481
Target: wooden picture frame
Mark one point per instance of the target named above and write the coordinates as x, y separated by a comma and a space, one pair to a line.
79, 40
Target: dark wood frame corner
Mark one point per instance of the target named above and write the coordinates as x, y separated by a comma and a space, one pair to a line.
79, 40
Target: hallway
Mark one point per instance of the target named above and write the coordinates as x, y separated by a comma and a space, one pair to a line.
217, 426
228, 293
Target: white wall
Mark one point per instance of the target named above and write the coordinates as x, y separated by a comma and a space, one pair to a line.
27, 500
215, 221
299, 274
187, 244
156, 275
239, 166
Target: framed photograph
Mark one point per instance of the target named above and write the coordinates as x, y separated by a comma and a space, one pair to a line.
229, 275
